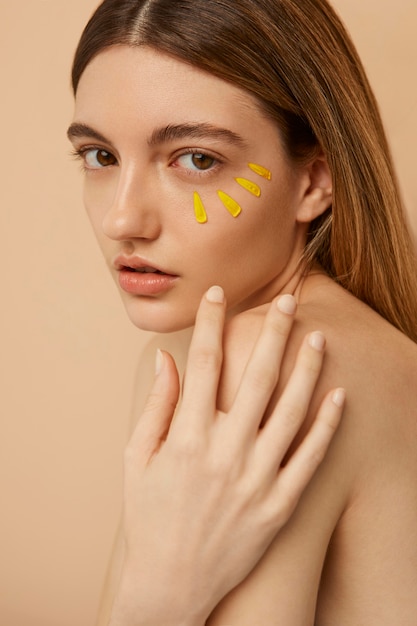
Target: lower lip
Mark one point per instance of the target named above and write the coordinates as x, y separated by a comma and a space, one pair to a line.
145, 284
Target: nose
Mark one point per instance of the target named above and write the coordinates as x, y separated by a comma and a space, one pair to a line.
134, 212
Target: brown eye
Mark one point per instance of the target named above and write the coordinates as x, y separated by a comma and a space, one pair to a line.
202, 161
95, 159
105, 158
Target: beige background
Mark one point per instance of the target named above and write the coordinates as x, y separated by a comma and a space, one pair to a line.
68, 353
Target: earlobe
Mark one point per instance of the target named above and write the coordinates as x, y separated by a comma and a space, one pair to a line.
318, 191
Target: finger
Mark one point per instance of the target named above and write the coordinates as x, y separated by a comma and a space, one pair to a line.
204, 361
262, 371
294, 477
154, 422
292, 407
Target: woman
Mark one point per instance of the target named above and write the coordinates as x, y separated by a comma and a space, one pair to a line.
239, 143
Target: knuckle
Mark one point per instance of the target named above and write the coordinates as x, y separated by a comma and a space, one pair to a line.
263, 380
316, 457
153, 403
281, 325
311, 461
209, 320
156, 405
291, 413
329, 426
206, 358
212, 316
311, 362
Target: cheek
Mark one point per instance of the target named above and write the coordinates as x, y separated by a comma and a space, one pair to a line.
97, 197
95, 213
264, 235
234, 194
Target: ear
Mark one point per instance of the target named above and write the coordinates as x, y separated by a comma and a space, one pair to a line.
317, 190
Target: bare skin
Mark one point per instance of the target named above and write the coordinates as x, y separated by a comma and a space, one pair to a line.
348, 556
350, 549
197, 478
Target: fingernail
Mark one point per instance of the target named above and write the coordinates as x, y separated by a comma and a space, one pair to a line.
317, 341
339, 397
287, 304
159, 359
215, 294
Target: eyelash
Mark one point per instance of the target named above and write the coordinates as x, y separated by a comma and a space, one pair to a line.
217, 162
81, 154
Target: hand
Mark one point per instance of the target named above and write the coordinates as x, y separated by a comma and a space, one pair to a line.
204, 491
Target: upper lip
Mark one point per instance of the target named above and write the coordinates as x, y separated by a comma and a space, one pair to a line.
135, 263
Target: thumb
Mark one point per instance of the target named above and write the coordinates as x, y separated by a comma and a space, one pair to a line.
154, 422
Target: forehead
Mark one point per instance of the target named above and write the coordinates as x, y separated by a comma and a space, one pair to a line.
127, 84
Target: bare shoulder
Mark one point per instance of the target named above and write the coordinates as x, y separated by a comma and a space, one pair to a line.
359, 514
374, 361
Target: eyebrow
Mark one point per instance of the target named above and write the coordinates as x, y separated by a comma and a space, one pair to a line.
166, 134
82, 130
199, 130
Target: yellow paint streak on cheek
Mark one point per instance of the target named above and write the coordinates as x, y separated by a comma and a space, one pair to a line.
199, 211
231, 205
253, 188
262, 171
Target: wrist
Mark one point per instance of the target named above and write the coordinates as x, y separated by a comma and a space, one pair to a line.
123, 616
136, 607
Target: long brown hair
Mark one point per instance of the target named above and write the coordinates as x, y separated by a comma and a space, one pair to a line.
297, 59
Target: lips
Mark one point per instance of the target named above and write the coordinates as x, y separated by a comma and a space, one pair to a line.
145, 270
138, 277
138, 264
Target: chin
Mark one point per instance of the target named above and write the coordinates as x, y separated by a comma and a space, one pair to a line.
160, 322
160, 328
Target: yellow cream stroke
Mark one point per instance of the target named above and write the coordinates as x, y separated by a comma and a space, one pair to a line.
199, 210
253, 188
230, 204
262, 171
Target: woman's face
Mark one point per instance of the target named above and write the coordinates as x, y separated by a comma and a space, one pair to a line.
159, 140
